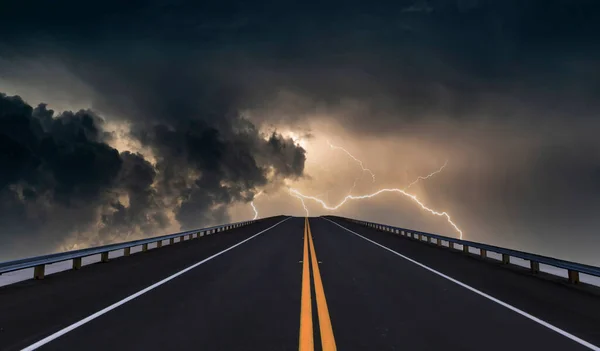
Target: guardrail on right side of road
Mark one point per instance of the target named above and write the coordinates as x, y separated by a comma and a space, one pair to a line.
572, 268
39, 262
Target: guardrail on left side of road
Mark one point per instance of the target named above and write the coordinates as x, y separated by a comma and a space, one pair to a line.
39, 262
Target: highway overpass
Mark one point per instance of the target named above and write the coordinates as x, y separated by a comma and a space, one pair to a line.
288, 283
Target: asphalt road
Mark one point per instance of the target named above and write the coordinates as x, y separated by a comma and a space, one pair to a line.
294, 286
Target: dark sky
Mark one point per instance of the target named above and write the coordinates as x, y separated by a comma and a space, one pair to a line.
509, 89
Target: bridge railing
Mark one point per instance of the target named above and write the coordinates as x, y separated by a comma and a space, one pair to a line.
572, 268
39, 262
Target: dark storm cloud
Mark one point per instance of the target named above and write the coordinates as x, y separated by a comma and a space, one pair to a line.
211, 167
59, 176
50, 164
416, 59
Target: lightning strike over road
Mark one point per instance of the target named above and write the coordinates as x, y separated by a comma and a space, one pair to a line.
300, 196
414, 198
333, 147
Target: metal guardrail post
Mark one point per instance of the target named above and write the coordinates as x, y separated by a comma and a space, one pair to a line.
77, 263
483, 253
127, 251
439, 242
505, 259
171, 241
535, 266
144, 247
450, 245
159, 244
465, 249
429, 240
104, 257
573, 276
39, 271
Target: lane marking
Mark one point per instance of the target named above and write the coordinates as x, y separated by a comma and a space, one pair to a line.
306, 322
141, 292
481, 293
327, 339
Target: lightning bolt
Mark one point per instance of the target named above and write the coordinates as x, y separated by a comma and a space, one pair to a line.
427, 176
414, 198
362, 167
295, 193
255, 211
254, 207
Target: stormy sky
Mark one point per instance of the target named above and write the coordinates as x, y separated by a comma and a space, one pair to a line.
120, 120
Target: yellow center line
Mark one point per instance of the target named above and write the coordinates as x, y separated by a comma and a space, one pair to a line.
306, 322
327, 339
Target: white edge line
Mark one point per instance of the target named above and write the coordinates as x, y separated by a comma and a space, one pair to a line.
502, 303
141, 292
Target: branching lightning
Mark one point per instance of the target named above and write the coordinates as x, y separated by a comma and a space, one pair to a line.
362, 167
427, 176
413, 197
295, 193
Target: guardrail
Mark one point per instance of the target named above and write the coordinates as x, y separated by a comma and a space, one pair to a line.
39, 262
572, 268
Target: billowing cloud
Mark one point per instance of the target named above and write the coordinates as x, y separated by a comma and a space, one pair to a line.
63, 184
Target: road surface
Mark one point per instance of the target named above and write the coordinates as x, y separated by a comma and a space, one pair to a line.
296, 284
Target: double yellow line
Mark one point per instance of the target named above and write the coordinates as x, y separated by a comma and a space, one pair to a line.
306, 320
